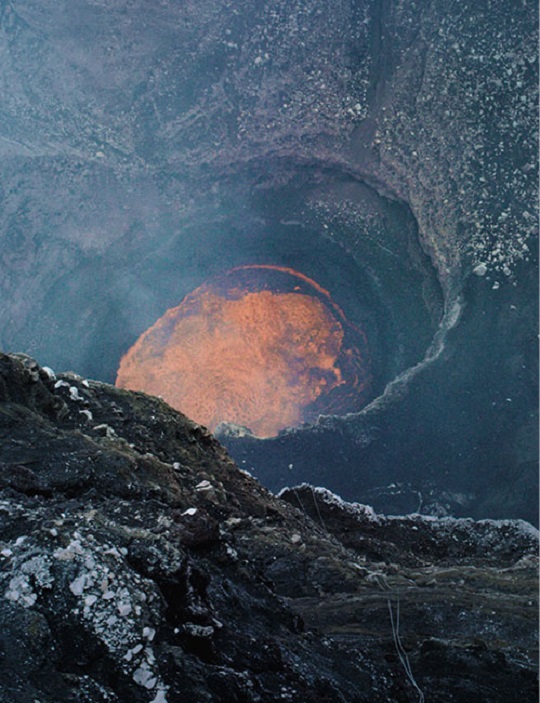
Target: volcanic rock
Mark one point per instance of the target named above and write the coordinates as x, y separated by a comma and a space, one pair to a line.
384, 149
138, 563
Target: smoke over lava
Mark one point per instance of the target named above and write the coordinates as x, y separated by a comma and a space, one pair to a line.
261, 346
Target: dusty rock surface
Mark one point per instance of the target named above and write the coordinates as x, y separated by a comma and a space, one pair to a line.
138, 563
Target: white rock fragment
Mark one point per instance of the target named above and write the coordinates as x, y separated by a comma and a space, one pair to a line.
144, 677
161, 696
128, 656
233, 521
232, 552
190, 511
90, 600
61, 384
113, 552
149, 633
74, 393
74, 548
20, 592
77, 586
124, 609
203, 486
480, 269
6, 552
29, 599
38, 568
87, 414
49, 373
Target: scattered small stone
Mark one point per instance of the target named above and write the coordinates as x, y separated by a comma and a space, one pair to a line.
77, 586
124, 609
190, 511
480, 269
149, 633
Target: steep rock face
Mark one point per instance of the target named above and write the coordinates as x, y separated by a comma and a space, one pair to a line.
138, 563
431, 570
146, 148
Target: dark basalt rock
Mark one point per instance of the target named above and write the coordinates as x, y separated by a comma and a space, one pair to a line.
138, 563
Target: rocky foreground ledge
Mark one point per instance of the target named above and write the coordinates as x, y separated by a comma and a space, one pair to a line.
139, 564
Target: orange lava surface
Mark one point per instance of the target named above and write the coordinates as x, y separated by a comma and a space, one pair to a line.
257, 358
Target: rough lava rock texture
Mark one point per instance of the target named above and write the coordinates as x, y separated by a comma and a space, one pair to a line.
138, 563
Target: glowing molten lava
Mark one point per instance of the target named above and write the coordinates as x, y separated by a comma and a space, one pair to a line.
262, 346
